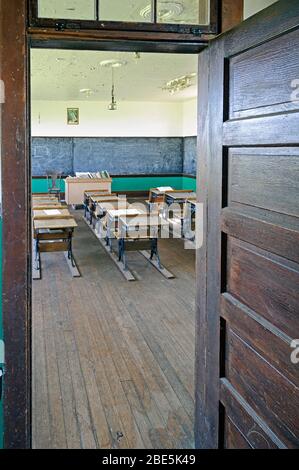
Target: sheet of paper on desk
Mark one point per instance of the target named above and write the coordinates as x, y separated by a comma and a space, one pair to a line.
52, 212
162, 189
116, 213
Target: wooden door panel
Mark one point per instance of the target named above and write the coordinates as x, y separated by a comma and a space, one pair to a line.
263, 228
261, 78
273, 397
265, 284
247, 423
248, 306
265, 178
281, 129
260, 335
234, 438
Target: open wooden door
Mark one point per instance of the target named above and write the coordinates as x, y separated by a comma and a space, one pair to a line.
248, 268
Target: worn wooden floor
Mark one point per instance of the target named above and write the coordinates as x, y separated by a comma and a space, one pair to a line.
113, 361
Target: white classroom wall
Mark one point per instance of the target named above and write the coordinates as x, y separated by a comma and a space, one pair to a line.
132, 119
190, 117
251, 7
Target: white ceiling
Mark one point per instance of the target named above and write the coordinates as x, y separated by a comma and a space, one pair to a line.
61, 74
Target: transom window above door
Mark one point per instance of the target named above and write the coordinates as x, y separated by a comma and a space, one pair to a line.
186, 16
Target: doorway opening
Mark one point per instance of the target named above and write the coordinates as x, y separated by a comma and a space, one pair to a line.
113, 356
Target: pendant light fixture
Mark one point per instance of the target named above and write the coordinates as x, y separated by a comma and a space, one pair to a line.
113, 64
113, 105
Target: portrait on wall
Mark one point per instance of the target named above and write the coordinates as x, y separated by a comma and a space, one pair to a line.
73, 116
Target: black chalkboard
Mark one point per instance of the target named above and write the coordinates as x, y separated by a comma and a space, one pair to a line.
119, 156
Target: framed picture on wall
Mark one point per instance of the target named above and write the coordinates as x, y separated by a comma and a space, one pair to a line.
73, 116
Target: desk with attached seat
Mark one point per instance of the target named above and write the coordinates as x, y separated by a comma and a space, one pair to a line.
93, 202
90, 193
189, 222
141, 233
52, 233
179, 196
111, 222
173, 210
102, 209
156, 197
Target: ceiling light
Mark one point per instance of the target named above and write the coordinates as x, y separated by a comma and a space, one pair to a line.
87, 91
178, 84
113, 105
166, 11
113, 63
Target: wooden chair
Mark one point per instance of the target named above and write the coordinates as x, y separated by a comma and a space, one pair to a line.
54, 183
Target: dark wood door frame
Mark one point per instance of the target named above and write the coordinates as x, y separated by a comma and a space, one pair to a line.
117, 26
16, 174
16, 225
107, 41
210, 366
117, 40
15, 43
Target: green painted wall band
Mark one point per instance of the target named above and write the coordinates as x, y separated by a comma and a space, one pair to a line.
132, 183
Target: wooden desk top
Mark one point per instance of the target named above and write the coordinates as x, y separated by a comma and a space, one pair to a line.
113, 204
44, 196
143, 220
181, 194
162, 190
110, 197
45, 200
41, 207
97, 192
51, 213
54, 224
192, 200
131, 212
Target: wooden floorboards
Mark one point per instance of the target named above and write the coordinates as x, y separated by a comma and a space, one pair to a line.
113, 361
